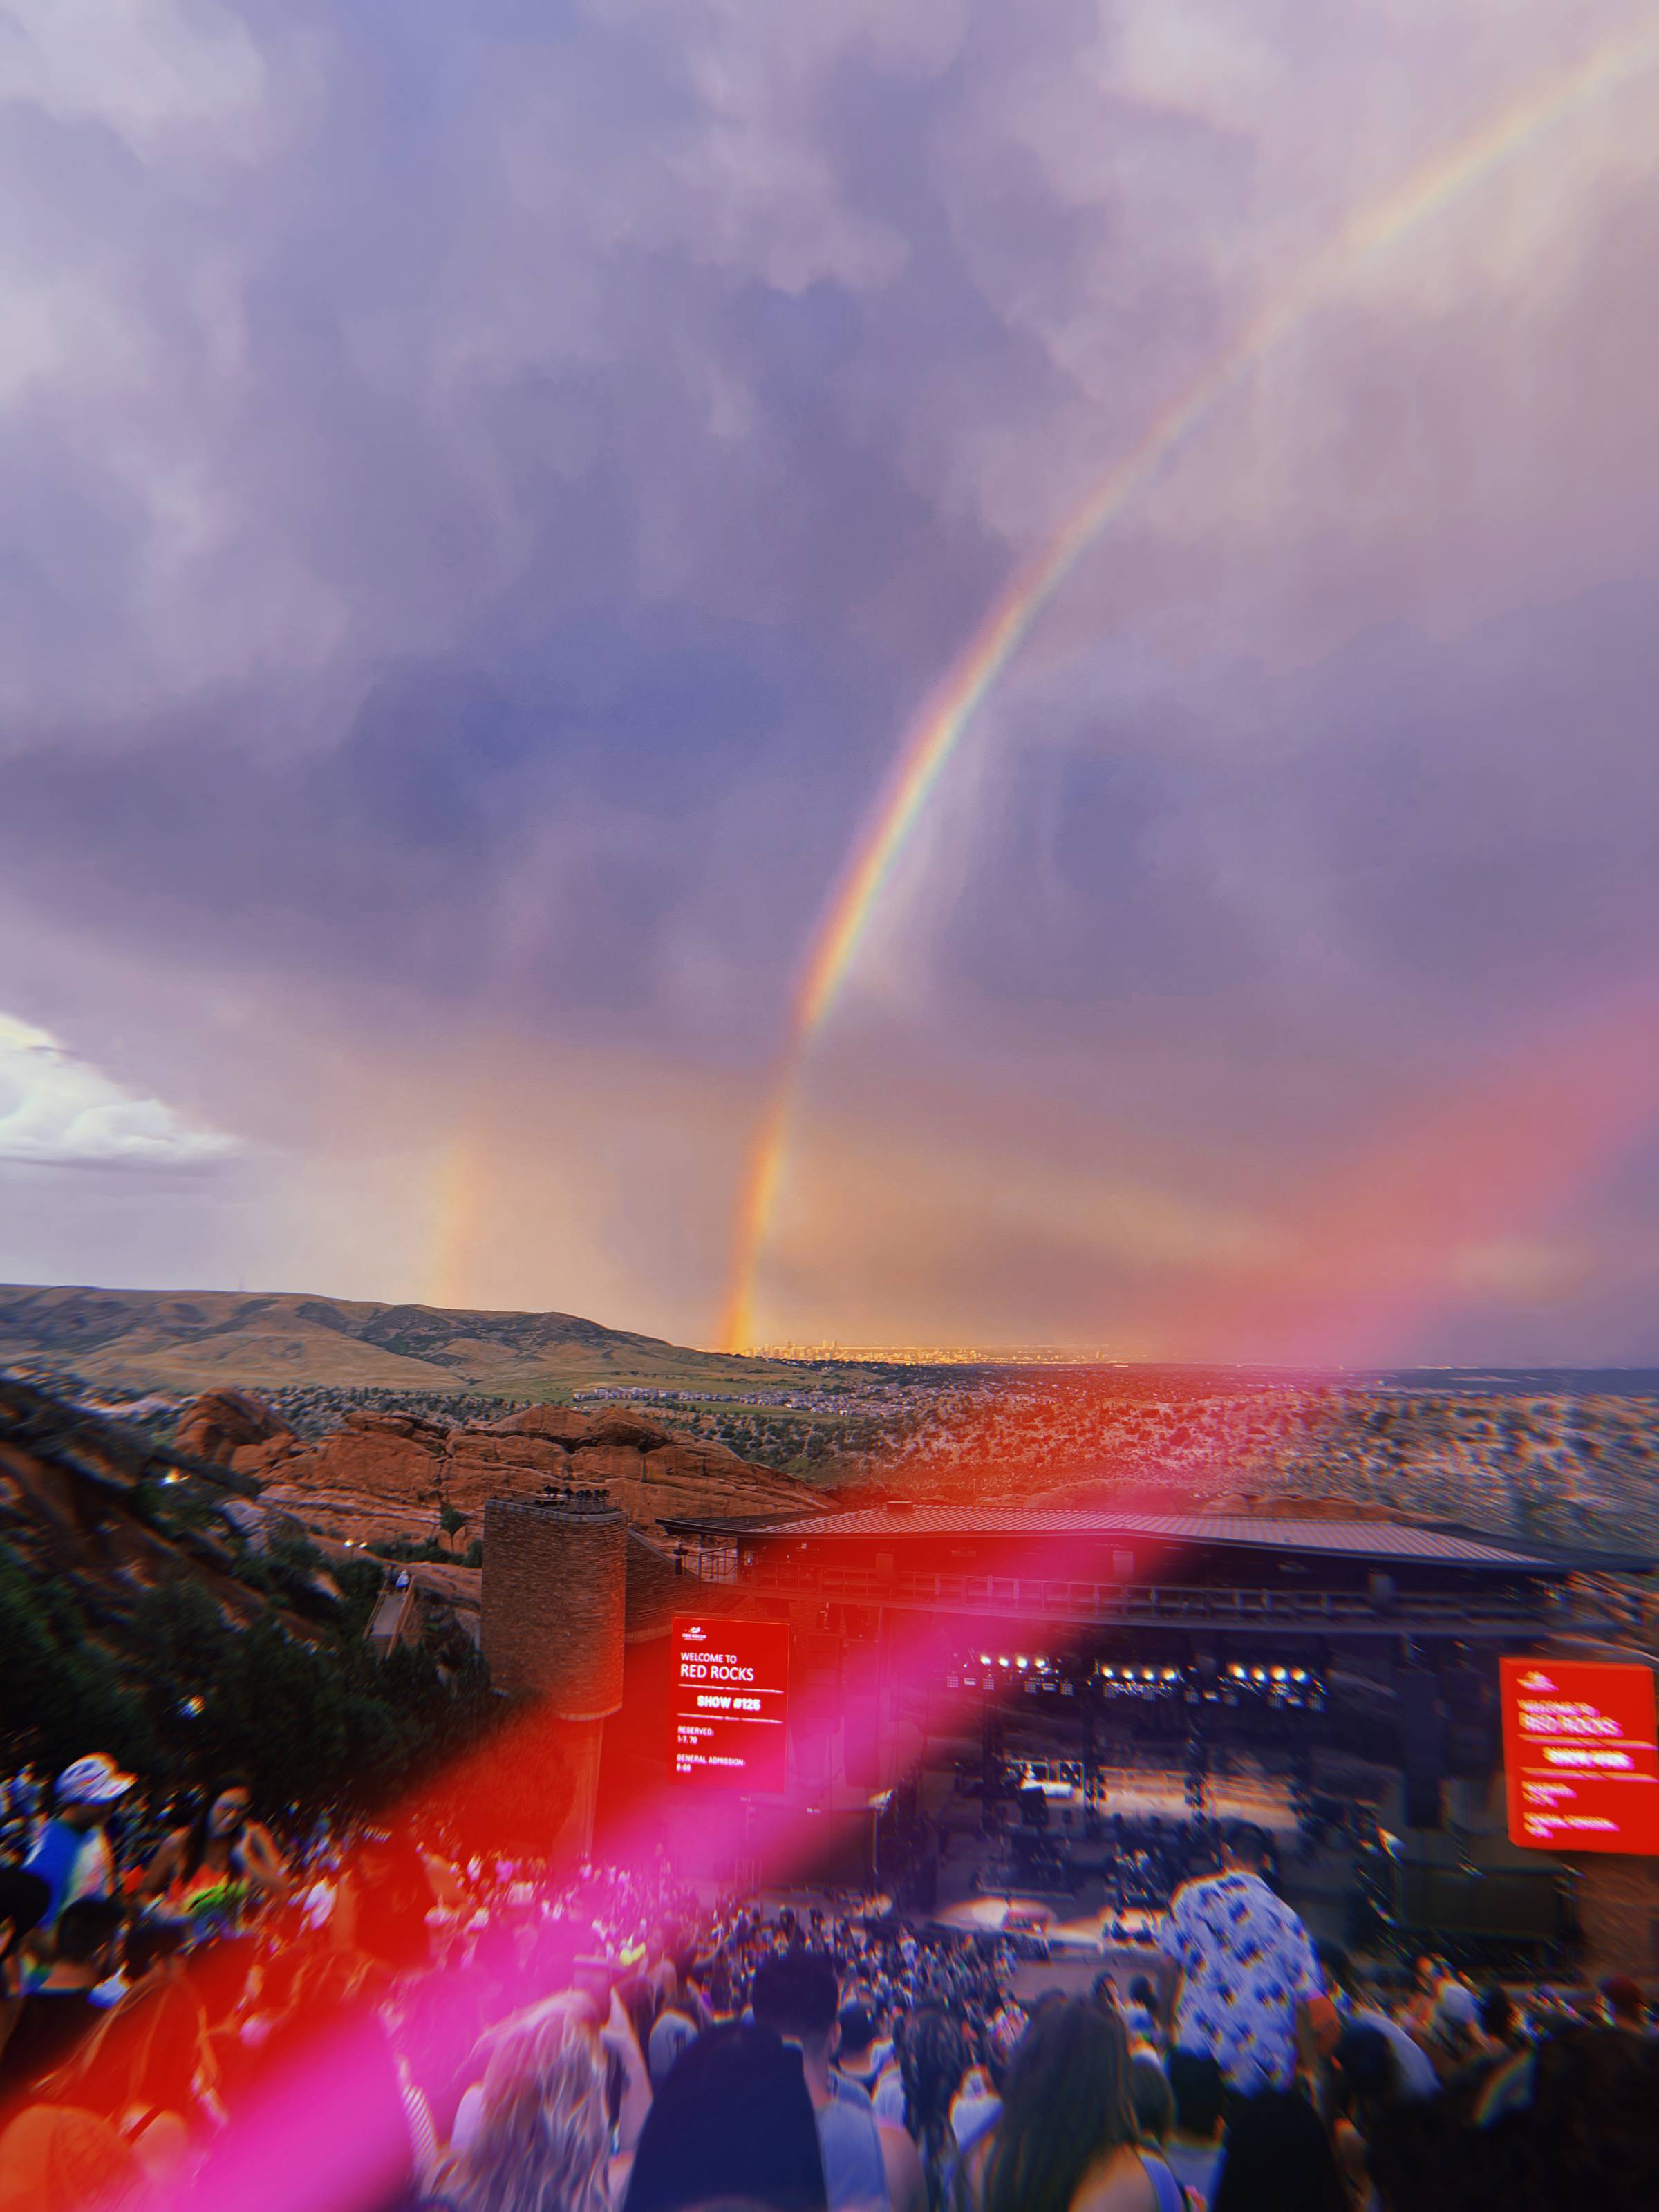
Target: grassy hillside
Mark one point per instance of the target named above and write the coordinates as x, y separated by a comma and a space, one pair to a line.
190, 1340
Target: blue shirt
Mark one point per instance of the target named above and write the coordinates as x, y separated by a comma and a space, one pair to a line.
849, 2140
64, 1859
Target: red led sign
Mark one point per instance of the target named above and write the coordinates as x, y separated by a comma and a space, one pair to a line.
729, 1701
1581, 1756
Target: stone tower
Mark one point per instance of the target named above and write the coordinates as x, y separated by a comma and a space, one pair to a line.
554, 1589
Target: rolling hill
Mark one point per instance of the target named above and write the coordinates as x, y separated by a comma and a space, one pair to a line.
193, 1340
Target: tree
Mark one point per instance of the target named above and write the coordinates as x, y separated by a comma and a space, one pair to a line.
451, 1519
276, 1713
64, 1692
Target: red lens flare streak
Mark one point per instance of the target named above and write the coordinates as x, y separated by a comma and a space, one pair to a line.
325, 2133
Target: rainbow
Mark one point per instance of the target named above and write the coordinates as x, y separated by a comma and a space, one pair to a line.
933, 737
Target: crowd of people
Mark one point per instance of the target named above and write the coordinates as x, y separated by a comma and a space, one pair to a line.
199, 2008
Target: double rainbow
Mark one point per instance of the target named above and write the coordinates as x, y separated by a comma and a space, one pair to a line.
928, 748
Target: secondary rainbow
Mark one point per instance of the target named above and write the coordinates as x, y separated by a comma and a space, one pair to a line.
933, 736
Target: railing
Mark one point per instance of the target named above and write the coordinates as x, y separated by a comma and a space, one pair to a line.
707, 1566
1051, 1597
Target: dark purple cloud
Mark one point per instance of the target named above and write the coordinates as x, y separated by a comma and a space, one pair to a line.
481, 496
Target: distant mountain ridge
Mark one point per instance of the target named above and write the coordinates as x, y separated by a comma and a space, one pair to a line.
190, 1340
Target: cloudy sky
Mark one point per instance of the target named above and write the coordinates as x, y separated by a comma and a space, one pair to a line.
484, 493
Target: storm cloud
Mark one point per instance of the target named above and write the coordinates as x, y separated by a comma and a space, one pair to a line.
484, 493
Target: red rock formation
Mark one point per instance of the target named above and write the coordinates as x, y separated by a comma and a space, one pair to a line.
234, 1428
70, 1510
376, 1479
1287, 1505
387, 1478
625, 1429
563, 1422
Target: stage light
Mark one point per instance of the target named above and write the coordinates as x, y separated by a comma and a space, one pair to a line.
1172, 1673
1258, 1674
1300, 1675
1111, 1673
984, 1658
1002, 1662
1020, 1661
1238, 1673
1281, 1674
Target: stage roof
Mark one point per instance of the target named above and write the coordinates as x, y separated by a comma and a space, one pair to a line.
1372, 1540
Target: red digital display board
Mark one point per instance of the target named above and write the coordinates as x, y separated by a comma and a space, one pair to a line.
729, 1701
1581, 1756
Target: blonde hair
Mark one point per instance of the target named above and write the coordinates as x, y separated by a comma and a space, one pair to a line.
544, 2138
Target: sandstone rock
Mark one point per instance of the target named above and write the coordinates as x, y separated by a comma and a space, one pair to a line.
713, 1466
626, 1429
376, 1479
562, 1423
415, 1426
607, 1463
233, 1428
481, 1465
387, 1477
461, 1587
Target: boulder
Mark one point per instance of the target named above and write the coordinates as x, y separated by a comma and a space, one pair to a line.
234, 1429
376, 1479
562, 1423
483, 1463
625, 1429
607, 1463
713, 1466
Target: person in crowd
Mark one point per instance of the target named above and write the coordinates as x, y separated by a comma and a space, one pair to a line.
59, 2012
25, 1900
887, 2086
932, 2056
974, 2111
1240, 1969
862, 2049
732, 2124
1358, 2009
679, 2022
1279, 2159
1574, 2127
1363, 2083
1067, 2139
354, 2137
977, 2105
141, 2065
56, 2158
1140, 2014
1192, 2148
542, 2143
72, 1854
1453, 2019
385, 1900
210, 1870
867, 2167
1104, 1992
1500, 2022
1154, 2104
1622, 2004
